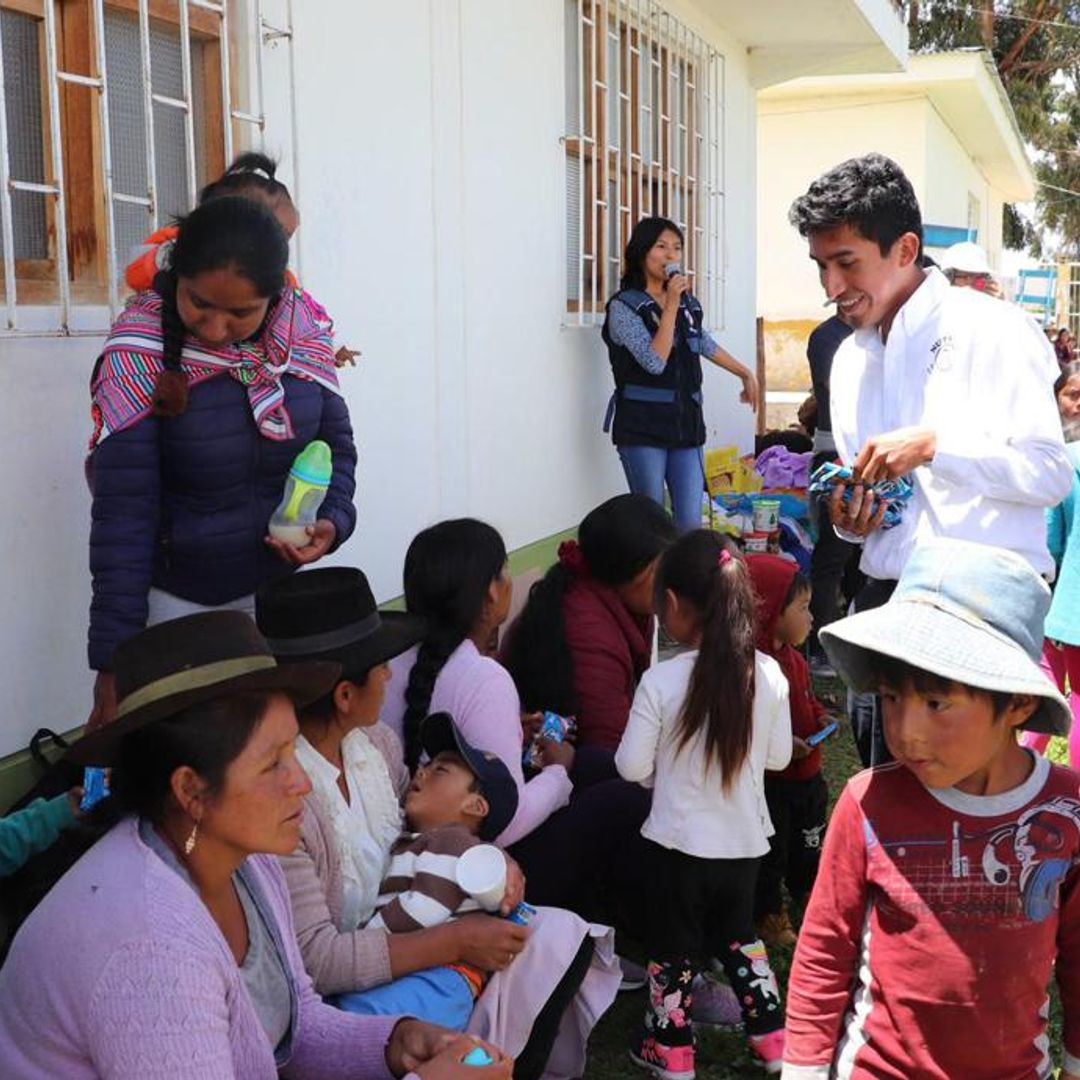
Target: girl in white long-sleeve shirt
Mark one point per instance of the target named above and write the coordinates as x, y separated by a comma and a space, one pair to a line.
703, 729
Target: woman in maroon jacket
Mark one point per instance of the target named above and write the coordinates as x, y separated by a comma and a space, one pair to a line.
585, 635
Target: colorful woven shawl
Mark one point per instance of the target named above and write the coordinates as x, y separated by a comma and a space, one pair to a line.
296, 338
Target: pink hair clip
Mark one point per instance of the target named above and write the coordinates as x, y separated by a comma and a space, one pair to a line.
725, 557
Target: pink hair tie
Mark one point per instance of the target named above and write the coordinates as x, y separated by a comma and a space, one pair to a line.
725, 557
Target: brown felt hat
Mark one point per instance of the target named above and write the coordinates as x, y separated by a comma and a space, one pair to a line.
169, 667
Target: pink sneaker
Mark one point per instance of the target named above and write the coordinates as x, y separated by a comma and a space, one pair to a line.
667, 1062
769, 1050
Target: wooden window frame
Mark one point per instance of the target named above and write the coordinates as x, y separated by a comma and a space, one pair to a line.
84, 185
635, 167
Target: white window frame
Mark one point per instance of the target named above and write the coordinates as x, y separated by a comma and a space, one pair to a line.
239, 128
682, 157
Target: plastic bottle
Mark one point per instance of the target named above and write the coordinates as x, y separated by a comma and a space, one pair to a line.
477, 1056
305, 489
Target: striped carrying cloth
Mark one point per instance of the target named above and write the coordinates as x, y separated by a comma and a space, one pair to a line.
295, 338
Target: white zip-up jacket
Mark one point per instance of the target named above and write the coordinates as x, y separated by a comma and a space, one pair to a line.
980, 373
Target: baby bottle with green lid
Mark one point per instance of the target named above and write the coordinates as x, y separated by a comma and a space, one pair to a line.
305, 489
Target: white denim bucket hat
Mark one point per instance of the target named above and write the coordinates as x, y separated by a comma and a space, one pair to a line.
967, 612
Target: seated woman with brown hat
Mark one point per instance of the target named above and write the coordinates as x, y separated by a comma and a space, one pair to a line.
168, 950
353, 816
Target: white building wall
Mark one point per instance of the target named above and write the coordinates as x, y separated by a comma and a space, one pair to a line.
797, 142
433, 229
800, 139
951, 178
45, 586
429, 175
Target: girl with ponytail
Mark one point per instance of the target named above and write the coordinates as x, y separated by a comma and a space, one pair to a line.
208, 387
703, 729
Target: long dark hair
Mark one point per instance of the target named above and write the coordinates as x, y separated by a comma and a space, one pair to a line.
703, 569
616, 541
251, 172
645, 234
207, 737
448, 571
231, 231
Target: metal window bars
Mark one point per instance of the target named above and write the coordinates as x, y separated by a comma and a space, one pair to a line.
55, 77
647, 139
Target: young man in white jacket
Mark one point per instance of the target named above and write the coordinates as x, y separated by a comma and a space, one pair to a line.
948, 386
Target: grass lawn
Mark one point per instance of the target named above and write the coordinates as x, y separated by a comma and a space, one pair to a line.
723, 1056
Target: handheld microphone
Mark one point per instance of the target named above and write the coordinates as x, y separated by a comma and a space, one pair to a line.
670, 270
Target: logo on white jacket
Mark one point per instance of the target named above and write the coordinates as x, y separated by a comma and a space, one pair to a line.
941, 354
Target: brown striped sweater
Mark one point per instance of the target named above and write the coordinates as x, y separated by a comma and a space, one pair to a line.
420, 888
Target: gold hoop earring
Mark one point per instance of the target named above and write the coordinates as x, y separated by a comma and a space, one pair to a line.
189, 843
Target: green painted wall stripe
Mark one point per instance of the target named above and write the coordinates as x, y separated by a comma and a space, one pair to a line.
18, 772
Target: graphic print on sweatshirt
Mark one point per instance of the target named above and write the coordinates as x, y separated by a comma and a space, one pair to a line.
1007, 875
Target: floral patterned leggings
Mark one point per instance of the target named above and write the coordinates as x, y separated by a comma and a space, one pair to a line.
702, 910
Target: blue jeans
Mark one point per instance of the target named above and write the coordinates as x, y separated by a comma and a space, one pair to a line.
647, 468
439, 995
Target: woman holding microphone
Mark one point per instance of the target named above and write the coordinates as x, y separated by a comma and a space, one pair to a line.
655, 341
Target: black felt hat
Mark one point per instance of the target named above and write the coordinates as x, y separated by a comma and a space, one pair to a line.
331, 614
173, 665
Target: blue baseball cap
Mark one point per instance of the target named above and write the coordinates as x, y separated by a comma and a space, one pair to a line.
439, 735
967, 612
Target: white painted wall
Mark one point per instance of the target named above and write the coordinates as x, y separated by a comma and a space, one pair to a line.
950, 177
800, 139
430, 180
434, 230
45, 586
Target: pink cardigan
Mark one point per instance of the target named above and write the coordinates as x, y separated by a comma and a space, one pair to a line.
337, 962
480, 695
121, 974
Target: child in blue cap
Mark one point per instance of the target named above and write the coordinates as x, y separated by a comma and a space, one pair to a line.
949, 891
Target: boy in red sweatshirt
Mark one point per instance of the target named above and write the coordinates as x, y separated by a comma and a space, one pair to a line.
797, 797
949, 893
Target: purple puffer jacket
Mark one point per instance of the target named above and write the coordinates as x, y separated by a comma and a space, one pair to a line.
183, 504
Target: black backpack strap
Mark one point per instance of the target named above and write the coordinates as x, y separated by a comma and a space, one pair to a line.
41, 736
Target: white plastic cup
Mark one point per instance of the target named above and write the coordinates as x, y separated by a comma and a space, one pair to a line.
481, 872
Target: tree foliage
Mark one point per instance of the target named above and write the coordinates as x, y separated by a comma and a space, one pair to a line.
1036, 47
